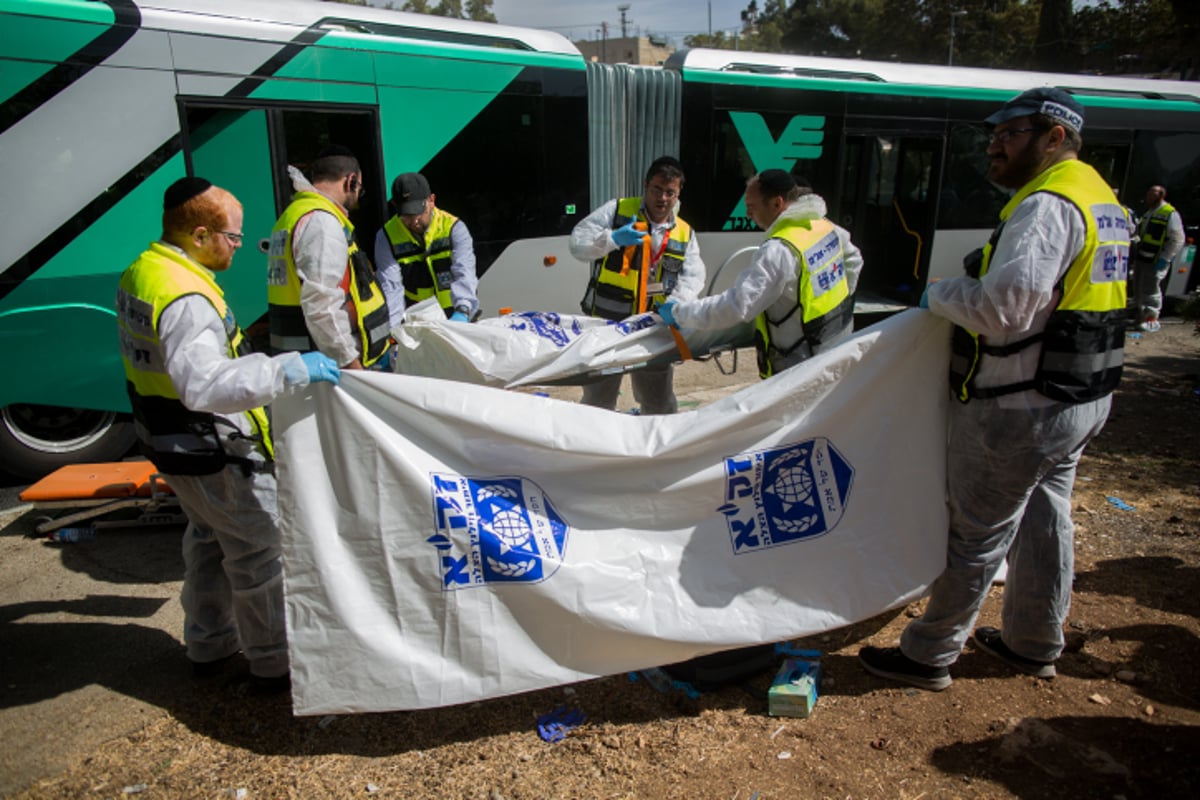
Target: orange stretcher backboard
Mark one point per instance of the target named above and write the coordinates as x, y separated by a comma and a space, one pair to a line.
95, 482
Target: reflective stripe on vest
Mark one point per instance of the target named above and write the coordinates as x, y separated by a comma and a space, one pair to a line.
1152, 232
1083, 343
176, 439
426, 265
822, 291
365, 303
614, 289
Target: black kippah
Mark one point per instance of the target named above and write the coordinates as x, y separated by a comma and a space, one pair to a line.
335, 150
183, 190
775, 182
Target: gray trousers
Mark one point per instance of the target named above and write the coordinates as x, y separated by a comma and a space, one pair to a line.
653, 389
233, 569
1148, 290
1010, 475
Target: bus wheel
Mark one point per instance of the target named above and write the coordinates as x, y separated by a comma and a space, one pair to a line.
36, 440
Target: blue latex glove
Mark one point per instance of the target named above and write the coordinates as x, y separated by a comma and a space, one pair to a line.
1161, 265
924, 299
321, 368
627, 236
459, 316
667, 312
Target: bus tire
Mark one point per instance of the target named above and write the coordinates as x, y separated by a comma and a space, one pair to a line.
35, 440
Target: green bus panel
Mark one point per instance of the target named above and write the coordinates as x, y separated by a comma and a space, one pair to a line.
75, 292
39, 42
232, 150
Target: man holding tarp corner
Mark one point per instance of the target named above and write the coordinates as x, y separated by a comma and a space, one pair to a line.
798, 290
1037, 352
641, 253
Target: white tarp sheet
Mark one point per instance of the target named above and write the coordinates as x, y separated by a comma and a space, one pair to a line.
445, 542
544, 348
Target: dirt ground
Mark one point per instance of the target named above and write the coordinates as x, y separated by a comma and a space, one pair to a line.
97, 700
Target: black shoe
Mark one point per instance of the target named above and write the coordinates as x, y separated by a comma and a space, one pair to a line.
890, 663
203, 670
279, 684
988, 640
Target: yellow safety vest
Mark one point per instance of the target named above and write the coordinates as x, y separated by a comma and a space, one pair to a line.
176, 439
425, 265
822, 291
617, 288
364, 299
1152, 232
1084, 340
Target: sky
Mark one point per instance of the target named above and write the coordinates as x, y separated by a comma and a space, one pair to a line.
581, 19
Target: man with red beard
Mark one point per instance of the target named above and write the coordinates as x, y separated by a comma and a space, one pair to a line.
1037, 351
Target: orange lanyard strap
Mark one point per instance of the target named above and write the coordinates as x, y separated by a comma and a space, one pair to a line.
681, 343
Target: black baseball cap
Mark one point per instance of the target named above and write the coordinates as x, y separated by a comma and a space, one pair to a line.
1057, 104
410, 190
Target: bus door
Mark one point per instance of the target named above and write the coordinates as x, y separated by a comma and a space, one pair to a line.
887, 201
247, 150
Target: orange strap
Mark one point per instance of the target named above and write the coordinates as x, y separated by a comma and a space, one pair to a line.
681, 343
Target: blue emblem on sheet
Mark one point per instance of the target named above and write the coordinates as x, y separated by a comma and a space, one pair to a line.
784, 495
494, 530
546, 324
636, 323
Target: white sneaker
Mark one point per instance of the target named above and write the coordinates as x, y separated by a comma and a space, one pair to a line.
1150, 326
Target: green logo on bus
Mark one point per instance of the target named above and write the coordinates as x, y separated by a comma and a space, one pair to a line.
800, 140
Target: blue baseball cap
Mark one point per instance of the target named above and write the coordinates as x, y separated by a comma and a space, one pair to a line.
1057, 104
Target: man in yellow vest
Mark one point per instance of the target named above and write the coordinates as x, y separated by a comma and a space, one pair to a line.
423, 251
641, 253
197, 395
1037, 351
1160, 238
321, 288
798, 289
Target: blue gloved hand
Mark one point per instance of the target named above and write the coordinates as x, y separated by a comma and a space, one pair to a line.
321, 368
924, 299
1161, 265
667, 312
627, 236
459, 316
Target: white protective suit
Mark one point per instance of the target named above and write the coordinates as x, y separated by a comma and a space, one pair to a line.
233, 585
770, 284
462, 267
1011, 459
320, 250
1148, 275
591, 240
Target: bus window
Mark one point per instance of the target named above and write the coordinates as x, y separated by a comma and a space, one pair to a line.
888, 209
968, 199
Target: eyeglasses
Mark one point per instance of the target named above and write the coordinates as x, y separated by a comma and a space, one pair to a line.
666, 194
235, 238
1004, 137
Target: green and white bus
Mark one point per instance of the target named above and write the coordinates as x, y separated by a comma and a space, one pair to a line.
898, 151
104, 103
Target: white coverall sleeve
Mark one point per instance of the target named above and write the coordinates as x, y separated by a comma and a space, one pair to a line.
196, 354
755, 290
391, 280
1175, 239
691, 278
1040, 239
854, 259
319, 246
591, 237
462, 267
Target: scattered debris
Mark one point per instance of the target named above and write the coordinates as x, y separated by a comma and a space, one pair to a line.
1099, 699
555, 726
1119, 503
